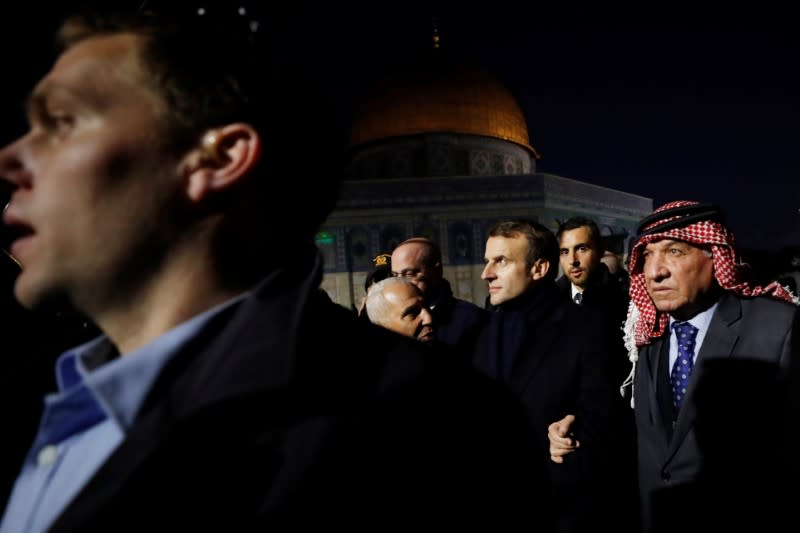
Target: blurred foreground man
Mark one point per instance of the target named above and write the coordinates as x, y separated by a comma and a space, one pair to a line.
226, 393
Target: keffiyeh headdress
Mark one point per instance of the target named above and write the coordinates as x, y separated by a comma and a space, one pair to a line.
695, 223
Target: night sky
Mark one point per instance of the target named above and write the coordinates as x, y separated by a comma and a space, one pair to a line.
667, 107
670, 104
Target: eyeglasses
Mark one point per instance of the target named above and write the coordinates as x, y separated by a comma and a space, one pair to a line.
409, 273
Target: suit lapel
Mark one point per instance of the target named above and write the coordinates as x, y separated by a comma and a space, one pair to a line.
723, 331
652, 359
663, 388
719, 342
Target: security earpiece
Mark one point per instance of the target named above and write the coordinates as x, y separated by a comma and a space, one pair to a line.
212, 148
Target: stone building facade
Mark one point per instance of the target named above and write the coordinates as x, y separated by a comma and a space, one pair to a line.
441, 149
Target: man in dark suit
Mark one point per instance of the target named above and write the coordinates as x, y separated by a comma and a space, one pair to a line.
587, 281
552, 356
698, 327
684, 269
226, 391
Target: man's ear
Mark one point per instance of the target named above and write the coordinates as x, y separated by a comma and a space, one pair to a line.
224, 157
539, 269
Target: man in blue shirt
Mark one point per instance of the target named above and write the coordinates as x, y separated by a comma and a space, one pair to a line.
226, 392
31, 343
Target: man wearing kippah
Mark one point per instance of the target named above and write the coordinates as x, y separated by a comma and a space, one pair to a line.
698, 328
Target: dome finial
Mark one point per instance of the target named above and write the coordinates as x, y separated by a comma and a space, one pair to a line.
435, 32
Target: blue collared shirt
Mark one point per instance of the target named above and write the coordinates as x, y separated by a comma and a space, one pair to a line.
86, 420
701, 321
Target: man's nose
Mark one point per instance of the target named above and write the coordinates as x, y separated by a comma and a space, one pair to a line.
427, 318
487, 273
654, 268
12, 169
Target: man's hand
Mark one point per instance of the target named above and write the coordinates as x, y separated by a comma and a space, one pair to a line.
561, 439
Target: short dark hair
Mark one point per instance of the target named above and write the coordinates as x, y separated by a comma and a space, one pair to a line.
210, 72
382, 269
542, 242
581, 222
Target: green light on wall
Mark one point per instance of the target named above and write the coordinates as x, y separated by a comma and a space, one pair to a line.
323, 237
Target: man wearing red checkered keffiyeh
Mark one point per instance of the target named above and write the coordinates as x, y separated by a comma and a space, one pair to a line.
705, 229
684, 269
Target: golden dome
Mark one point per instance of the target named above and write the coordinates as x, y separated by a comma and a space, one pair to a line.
439, 96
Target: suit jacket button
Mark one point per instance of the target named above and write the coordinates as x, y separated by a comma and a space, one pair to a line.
47, 455
665, 476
